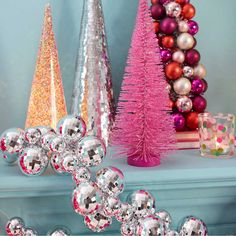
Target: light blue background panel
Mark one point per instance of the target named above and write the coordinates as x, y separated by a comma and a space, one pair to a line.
21, 23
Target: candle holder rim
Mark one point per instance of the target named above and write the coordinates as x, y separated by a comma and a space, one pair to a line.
217, 116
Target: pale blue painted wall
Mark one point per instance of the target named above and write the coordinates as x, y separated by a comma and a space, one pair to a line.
21, 22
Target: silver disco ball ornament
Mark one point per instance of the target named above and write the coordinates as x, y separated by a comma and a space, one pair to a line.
165, 217
46, 140
125, 213
45, 129
68, 162
110, 180
111, 206
72, 128
97, 222
150, 226
33, 161
81, 174
32, 135
57, 144
59, 231
193, 226
30, 232
86, 198
9, 158
91, 151
12, 141
128, 229
56, 161
15, 226
142, 202
172, 233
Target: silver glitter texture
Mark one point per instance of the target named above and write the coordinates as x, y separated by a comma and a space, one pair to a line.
92, 95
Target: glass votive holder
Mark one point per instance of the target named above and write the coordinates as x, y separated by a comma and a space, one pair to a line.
216, 133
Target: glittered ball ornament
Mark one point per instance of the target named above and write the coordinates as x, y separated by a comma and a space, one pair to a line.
165, 217
128, 229
72, 128
167, 41
199, 104
59, 231
182, 86
81, 174
183, 26
32, 135
150, 225
185, 41
193, 226
11, 141
15, 227
178, 56
192, 120
111, 206
69, 161
125, 213
30, 232
193, 27
33, 161
55, 162
97, 222
192, 57
91, 151
165, 55
157, 11
197, 86
57, 144
173, 9
168, 25
86, 198
46, 140
200, 71
188, 71
188, 11
184, 104
110, 180
173, 70
179, 121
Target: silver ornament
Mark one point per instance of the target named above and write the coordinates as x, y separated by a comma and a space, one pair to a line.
185, 41
200, 71
111, 206
11, 141
32, 135
128, 229
59, 231
72, 128
46, 140
30, 232
9, 158
178, 56
57, 144
172, 233
150, 226
193, 226
173, 9
91, 151
68, 162
15, 227
97, 222
184, 104
110, 180
125, 213
165, 217
183, 26
182, 86
81, 174
142, 202
33, 161
188, 71
86, 199
92, 95
56, 161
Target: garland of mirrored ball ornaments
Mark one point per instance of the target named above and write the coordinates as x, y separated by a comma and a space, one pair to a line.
70, 151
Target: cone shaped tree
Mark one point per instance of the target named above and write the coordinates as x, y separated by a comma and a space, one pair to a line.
47, 102
144, 129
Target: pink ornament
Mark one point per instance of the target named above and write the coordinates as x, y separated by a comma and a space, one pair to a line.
199, 104
165, 55
144, 131
157, 11
192, 57
197, 86
179, 121
193, 27
205, 87
168, 25
163, 2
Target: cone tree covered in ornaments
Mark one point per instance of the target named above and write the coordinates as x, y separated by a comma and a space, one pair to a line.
144, 129
185, 75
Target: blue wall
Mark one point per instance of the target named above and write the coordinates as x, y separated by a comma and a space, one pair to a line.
21, 22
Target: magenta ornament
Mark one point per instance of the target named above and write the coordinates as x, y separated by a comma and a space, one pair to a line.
166, 55
199, 104
197, 86
192, 57
179, 121
157, 11
205, 87
163, 2
168, 25
193, 27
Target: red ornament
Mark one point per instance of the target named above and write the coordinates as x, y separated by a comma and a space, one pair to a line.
171, 104
156, 26
182, 2
173, 71
154, 2
192, 120
188, 11
168, 41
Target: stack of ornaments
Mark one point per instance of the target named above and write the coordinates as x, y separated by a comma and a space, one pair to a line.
185, 75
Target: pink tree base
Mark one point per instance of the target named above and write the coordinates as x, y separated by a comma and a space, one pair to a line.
139, 162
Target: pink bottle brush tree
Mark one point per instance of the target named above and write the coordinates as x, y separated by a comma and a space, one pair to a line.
144, 130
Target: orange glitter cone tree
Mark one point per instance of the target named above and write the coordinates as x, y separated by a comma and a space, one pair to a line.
47, 102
